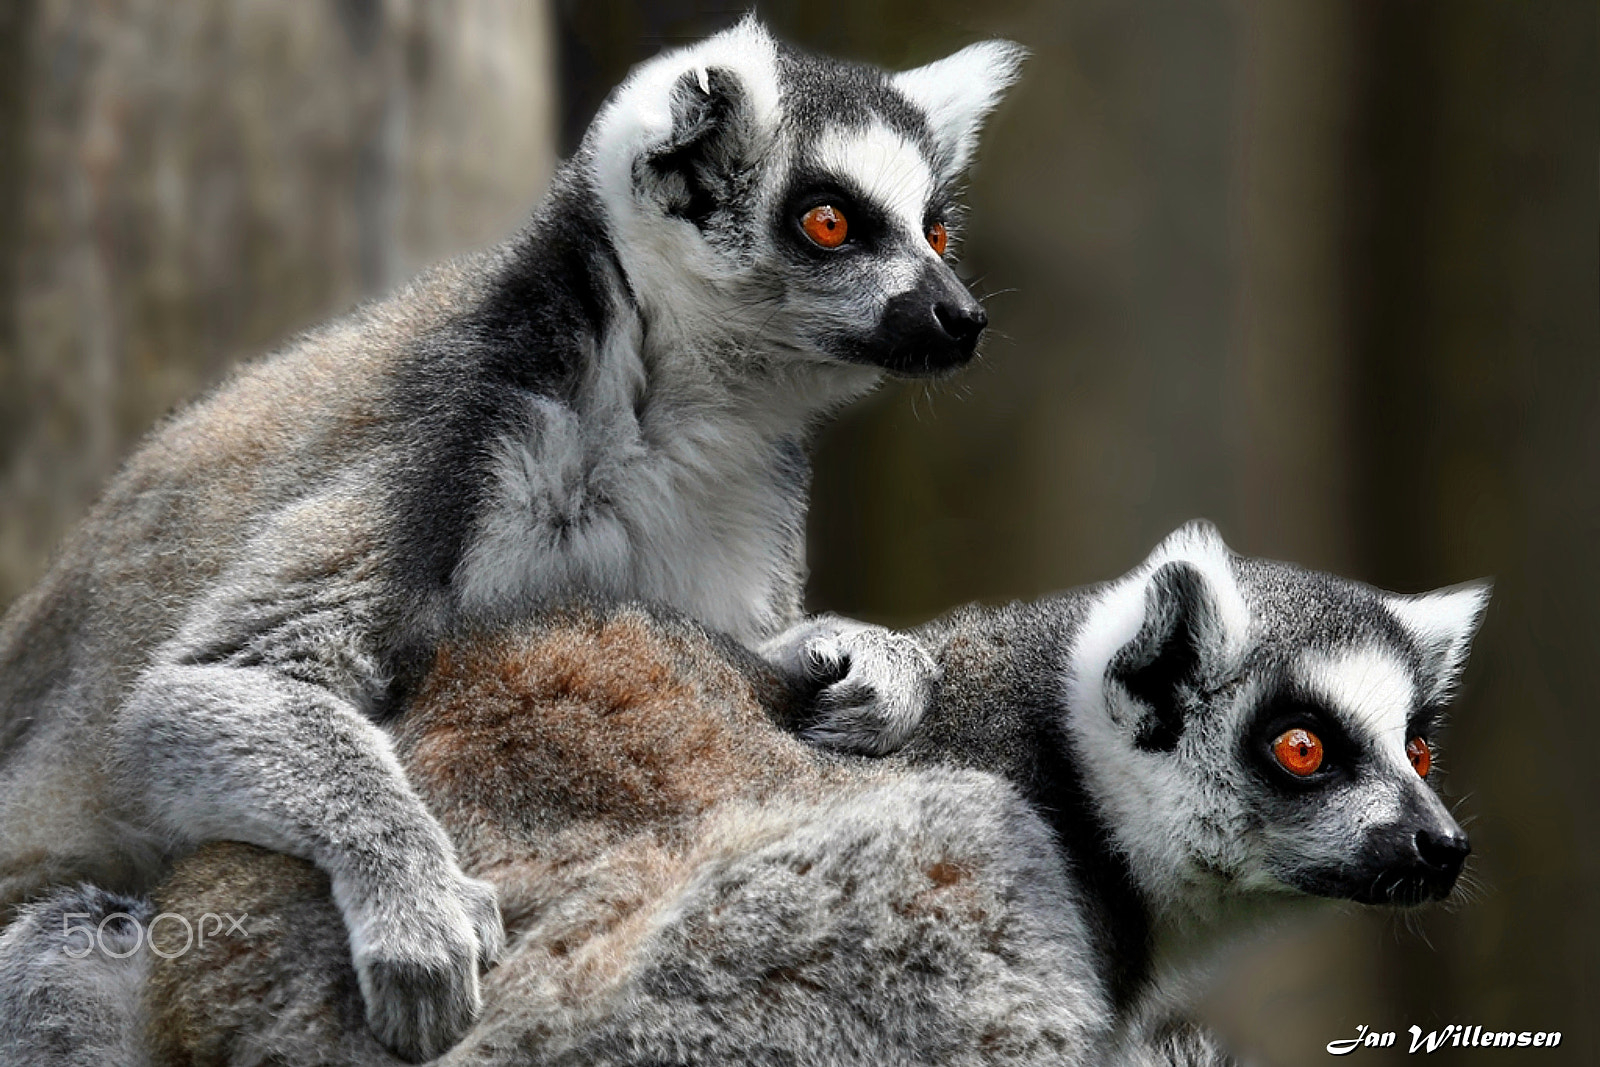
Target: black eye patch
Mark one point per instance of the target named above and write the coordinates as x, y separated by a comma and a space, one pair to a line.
1290, 710
868, 223
1425, 722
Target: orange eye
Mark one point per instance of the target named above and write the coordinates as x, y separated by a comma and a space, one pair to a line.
1298, 751
825, 225
1420, 754
938, 237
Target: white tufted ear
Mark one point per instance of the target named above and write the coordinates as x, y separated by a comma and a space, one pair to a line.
1177, 618
1179, 644
1442, 623
707, 106
1199, 544
957, 92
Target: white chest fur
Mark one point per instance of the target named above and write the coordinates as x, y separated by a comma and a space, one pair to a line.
704, 518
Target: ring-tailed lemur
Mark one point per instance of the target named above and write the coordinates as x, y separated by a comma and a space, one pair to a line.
618, 401
1214, 738
1145, 769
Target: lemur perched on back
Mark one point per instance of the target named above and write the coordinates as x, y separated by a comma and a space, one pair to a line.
617, 401
1110, 783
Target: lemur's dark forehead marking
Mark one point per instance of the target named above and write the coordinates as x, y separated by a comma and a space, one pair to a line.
1296, 609
821, 93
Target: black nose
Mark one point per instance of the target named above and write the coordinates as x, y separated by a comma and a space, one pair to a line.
963, 322
1444, 852
925, 330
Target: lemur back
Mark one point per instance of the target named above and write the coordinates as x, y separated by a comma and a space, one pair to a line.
1100, 797
617, 401
682, 881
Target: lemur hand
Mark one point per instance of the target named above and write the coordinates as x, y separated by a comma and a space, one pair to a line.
417, 958
875, 683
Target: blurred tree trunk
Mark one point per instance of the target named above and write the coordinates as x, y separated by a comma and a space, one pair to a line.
184, 184
15, 24
1291, 385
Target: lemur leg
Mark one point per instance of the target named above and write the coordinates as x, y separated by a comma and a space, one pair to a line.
876, 683
246, 754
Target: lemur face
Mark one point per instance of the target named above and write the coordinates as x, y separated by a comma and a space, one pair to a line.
1259, 728
1340, 749
798, 207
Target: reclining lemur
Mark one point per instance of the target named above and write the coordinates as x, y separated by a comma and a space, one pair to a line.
618, 401
1111, 783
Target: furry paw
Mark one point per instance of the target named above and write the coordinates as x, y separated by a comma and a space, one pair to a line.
874, 684
418, 959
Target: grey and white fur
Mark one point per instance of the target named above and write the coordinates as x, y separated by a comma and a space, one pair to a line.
72, 974
1090, 810
617, 401
1139, 717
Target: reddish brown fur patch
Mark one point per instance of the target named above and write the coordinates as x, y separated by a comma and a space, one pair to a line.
287, 917
614, 721
944, 873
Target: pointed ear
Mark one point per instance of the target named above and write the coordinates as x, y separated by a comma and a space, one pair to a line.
1442, 623
956, 93
1179, 644
712, 138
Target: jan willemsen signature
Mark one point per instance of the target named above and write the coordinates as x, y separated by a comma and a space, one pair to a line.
1454, 1035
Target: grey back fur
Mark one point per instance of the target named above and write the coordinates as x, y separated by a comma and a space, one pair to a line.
683, 882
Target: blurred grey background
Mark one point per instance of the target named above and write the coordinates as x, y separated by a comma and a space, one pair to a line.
1325, 271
